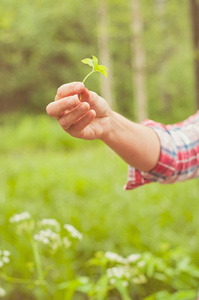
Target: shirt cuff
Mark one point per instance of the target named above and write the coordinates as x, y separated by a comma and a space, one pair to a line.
166, 165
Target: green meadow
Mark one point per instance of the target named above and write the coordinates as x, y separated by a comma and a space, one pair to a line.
51, 175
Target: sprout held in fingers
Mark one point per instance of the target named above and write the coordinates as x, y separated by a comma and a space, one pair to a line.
93, 62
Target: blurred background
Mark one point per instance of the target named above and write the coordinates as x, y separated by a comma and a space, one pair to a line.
151, 50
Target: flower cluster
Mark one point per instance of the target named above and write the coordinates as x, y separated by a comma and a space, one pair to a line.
125, 269
50, 234
51, 222
20, 217
4, 257
48, 237
119, 272
53, 236
114, 257
73, 231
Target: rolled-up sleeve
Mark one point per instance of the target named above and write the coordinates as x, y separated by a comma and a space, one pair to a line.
179, 156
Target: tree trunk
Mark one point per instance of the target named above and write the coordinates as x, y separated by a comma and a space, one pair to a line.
138, 62
195, 29
104, 55
165, 99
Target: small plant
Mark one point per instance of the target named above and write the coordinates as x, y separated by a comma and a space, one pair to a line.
50, 273
93, 62
45, 238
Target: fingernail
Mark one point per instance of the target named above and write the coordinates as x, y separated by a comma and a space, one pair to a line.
79, 87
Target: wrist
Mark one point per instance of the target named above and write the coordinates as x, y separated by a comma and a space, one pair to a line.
111, 129
136, 144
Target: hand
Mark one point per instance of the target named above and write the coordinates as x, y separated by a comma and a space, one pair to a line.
87, 119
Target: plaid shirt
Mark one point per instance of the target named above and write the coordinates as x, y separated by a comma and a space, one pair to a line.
179, 157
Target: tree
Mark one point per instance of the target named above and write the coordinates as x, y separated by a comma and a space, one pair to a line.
138, 62
104, 54
165, 54
194, 5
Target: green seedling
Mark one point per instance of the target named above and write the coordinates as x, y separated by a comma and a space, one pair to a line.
93, 62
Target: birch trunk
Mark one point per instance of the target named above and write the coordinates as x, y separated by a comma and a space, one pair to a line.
194, 5
164, 97
104, 54
138, 62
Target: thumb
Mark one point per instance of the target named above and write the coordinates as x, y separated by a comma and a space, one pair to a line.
90, 97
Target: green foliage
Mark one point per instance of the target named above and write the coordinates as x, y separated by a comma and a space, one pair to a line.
42, 129
93, 62
173, 272
95, 67
42, 43
46, 173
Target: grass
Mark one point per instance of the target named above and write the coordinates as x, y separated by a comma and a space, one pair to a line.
51, 175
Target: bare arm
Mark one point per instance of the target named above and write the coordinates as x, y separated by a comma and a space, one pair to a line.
136, 144
91, 118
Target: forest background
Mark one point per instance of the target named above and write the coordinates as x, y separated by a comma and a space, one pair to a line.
148, 46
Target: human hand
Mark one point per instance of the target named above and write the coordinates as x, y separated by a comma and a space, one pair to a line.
87, 119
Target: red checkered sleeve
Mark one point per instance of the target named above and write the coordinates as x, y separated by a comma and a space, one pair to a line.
179, 156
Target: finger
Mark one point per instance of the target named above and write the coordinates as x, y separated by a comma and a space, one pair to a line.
68, 119
82, 123
90, 97
56, 109
69, 89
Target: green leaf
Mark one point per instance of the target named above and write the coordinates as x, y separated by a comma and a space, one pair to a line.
95, 60
150, 268
122, 290
180, 295
88, 61
102, 69
95, 66
101, 287
184, 295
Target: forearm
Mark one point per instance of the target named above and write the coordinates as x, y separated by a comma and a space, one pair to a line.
178, 160
136, 144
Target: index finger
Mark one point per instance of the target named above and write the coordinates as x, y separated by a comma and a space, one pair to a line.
69, 89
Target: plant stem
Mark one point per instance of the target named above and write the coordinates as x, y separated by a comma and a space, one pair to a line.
15, 280
88, 75
38, 265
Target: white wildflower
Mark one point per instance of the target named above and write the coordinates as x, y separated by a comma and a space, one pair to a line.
84, 280
118, 272
73, 231
112, 281
51, 222
133, 257
141, 264
48, 237
2, 292
20, 217
119, 259
140, 280
5, 259
49, 234
5, 253
125, 283
114, 257
41, 238
66, 242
